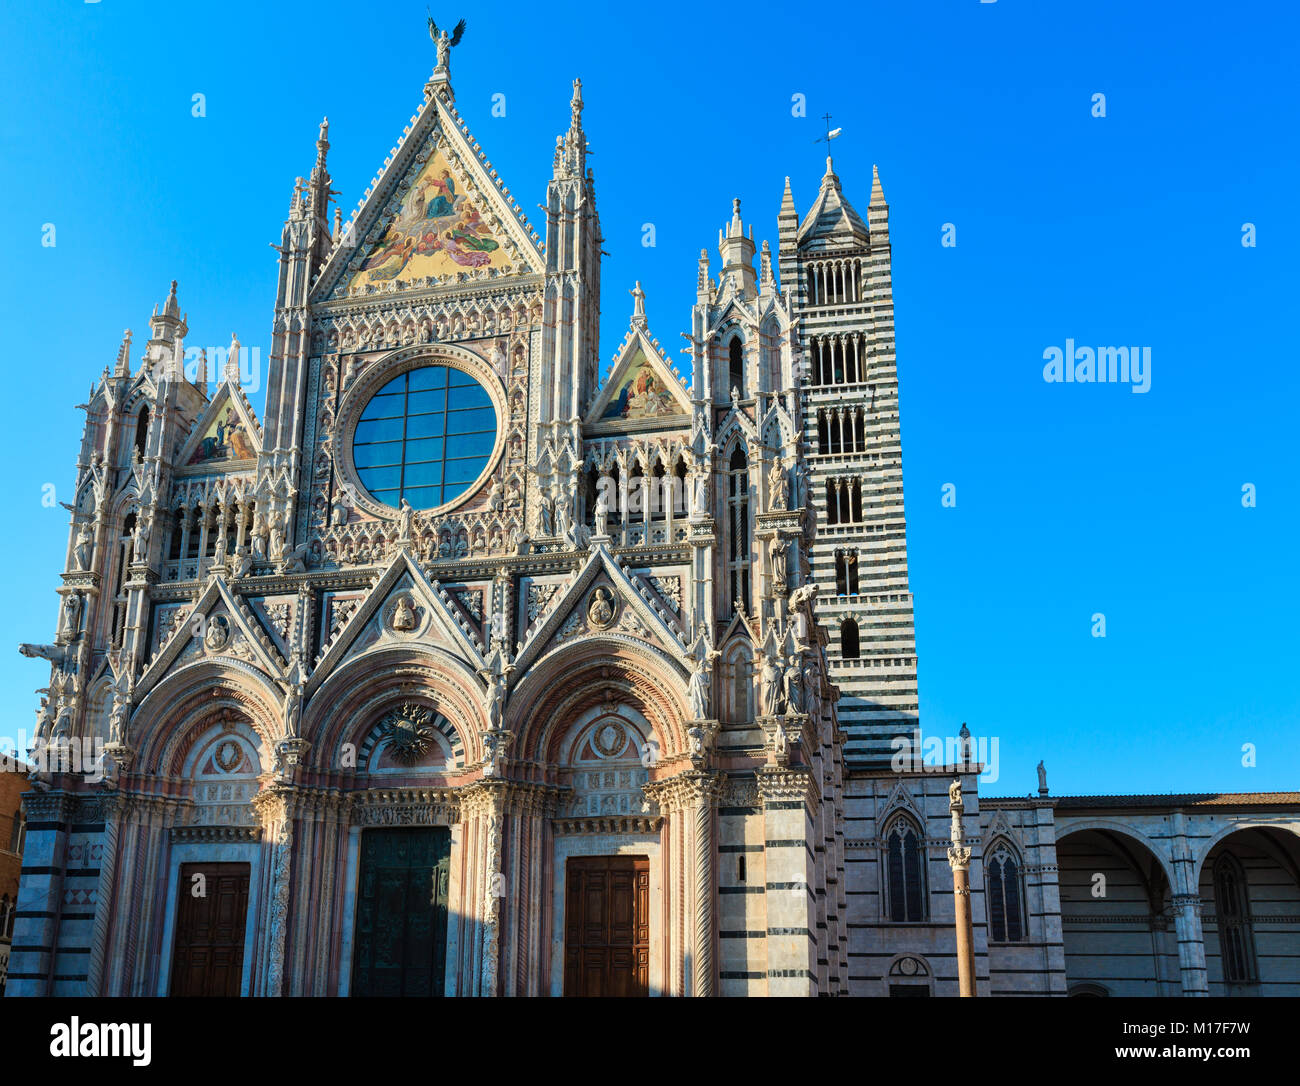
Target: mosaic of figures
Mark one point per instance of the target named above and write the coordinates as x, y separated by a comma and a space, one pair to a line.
226, 439
641, 394
439, 230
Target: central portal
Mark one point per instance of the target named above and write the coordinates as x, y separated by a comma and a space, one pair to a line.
607, 926
401, 942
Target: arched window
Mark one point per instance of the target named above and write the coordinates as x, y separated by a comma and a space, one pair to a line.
849, 640
1236, 934
904, 871
142, 431
736, 366
1006, 915
846, 573
738, 563
771, 344
738, 675
125, 551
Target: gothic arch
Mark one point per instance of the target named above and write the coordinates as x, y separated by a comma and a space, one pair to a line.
1105, 825
348, 704
174, 714
572, 679
1263, 824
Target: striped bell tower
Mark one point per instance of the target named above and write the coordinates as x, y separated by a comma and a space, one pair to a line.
835, 269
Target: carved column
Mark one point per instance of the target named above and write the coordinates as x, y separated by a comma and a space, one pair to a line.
275, 808
959, 861
701, 794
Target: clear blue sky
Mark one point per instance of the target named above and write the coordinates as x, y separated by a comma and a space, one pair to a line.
1071, 499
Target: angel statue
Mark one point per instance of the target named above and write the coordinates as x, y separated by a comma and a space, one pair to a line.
445, 42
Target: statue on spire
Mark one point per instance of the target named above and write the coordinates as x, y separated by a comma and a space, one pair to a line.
445, 42
575, 104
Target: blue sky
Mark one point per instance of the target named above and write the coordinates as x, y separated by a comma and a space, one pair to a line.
1124, 229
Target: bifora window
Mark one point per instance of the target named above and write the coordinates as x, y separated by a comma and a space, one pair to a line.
426, 436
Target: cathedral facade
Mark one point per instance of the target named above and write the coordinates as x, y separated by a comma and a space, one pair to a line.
464, 672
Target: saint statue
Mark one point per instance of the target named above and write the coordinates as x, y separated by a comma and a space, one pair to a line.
602, 507
698, 691
793, 691
140, 552
779, 565
82, 553
405, 516
778, 486
72, 615
403, 615
339, 510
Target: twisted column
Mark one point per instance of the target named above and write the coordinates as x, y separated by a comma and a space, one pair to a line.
112, 807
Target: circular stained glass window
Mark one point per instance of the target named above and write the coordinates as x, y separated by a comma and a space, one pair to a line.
426, 436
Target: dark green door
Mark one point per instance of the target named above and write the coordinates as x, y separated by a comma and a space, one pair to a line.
401, 938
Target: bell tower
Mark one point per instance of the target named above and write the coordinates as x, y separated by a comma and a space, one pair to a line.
835, 267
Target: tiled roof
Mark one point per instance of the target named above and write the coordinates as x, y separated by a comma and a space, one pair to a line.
1183, 799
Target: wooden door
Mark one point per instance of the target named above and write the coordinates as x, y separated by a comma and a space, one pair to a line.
208, 959
607, 926
401, 934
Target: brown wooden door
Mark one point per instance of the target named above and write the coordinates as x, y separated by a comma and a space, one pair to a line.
209, 955
607, 926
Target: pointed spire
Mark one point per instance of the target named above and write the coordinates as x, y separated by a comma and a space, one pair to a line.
201, 373
124, 356
829, 175
171, 308
231, 371
736, 229
877, 191
787, 199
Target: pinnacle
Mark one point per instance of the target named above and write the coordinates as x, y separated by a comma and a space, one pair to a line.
877, 191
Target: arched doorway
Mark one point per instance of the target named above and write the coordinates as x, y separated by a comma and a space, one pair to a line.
1116, 918
1250, 912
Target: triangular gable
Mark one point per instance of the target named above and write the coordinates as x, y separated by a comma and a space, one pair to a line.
900, 798
402, 575
435, 213
999, 826
244, 638
571, 600
642, 392
226, 434
832, 215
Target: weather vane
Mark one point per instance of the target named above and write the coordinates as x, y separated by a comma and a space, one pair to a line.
444, 41
831, 133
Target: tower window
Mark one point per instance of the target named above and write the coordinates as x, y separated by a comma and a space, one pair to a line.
846, 573
849, 648
738, 563
736, 366
142, 432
